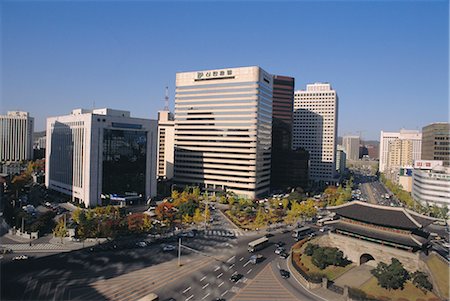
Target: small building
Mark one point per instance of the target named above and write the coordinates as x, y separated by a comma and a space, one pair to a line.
373, 232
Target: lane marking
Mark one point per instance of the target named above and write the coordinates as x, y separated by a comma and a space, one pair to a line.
202, 278
205, 296
246, 263
216, 269
242, 258
205, 286
190, 298
223, 294
220, 275
231, 259
221, 283
186, 290
249, 271
231, 266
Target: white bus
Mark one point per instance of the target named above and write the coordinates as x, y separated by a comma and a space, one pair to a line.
258, 244
301, 231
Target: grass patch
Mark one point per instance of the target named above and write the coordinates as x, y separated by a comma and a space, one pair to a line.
410, 292
304, 261
440, 271
331, 272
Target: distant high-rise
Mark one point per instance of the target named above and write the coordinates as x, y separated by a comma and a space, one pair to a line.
102, 152
315, 129
400, 153
351, 147
341, 159
16, 136
289, 167
166, 141
387, 137
223, 126
436, 142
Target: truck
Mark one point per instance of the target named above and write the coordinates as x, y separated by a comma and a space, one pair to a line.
258, 244
254, 259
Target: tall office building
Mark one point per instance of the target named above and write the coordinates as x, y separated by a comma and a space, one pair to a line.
341, 160
315, 129
400, 153
351, 147
436, 142
387, 137
16, 136
223, 125
289, 167
102, 152
166, 128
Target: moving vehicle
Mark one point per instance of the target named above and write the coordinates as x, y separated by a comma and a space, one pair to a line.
141, 244
258, 244
236, 277
285, 274
20, 257
279, 250
168, 248
284, 255
254, 259
300, 232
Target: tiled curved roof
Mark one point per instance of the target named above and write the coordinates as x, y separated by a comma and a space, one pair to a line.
394, 217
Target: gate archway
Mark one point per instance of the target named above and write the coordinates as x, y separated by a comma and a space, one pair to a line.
365, 258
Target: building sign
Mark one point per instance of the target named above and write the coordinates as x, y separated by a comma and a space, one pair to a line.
426, 164
219, 74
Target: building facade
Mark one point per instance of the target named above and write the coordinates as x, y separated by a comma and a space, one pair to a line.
94, 154
341, 160
315, 129
16, 136
223, 130
387, 137
431, 183
166, 129
436, 142
351, 147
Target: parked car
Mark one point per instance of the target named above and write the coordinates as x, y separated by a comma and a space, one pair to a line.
285, 274
141, 244
20, 257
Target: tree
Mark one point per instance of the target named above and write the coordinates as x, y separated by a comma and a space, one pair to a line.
261, 218
188, 208
60, 229
196, 193
186, 219
138, 222
198, 217
165, 212
175, 194
420, 280
285, 203
392, 276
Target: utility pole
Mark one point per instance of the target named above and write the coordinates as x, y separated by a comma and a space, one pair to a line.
23, 225
179, 251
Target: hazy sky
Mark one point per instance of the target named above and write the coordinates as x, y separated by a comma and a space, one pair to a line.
388, 60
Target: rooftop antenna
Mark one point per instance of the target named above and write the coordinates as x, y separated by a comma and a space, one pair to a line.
166, 100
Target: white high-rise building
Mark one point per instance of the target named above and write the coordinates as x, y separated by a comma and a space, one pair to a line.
16, 136
315, 129
386, 139
223, 130
102, 152
431, 183
351, 147
166, 139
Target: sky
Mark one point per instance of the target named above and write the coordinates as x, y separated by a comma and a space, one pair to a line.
387, 60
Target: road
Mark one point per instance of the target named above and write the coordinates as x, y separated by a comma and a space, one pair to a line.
121, 271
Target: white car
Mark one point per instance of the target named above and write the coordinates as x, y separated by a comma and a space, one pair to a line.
169, 248
20, 257
278, 251
141, 244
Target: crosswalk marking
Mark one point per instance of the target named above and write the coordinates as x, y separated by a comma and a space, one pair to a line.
224, 233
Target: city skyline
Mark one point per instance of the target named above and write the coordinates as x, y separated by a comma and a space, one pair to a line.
386, 60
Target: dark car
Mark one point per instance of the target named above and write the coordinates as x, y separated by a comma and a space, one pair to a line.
285, 274
279, 244
236, 277
284, 255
